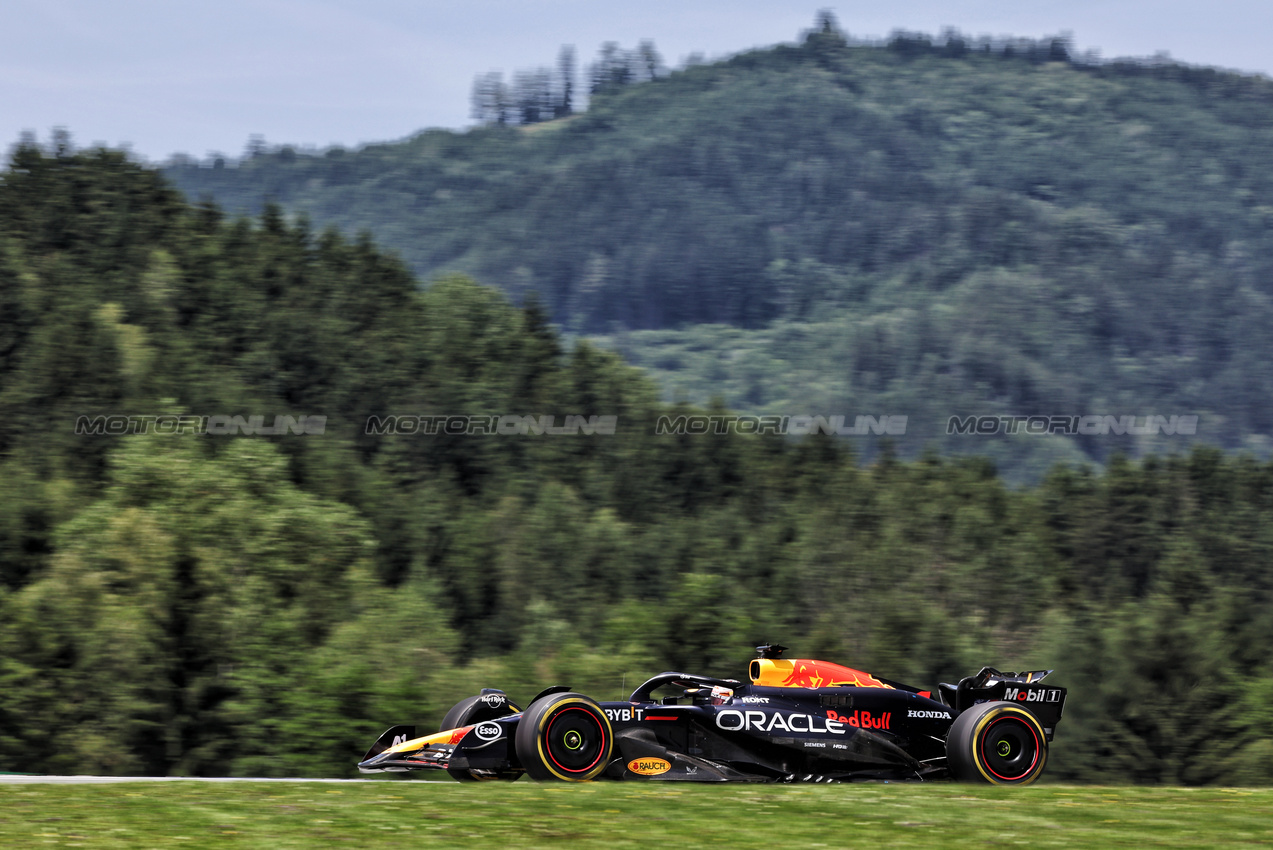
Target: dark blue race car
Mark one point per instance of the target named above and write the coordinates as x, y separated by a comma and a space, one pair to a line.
793, 720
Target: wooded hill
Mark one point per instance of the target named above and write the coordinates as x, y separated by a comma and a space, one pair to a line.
267, 605
973, 232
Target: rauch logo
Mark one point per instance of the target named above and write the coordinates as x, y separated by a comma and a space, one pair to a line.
649, 767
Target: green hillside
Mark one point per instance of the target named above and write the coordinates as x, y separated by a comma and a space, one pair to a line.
265, 604
973, 232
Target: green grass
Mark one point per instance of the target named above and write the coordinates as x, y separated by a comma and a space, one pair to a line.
408, 814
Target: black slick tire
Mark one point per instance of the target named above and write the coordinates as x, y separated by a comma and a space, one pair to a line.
564, 737
996, 742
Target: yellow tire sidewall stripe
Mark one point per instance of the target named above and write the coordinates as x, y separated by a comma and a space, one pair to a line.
1031, 720
546, 760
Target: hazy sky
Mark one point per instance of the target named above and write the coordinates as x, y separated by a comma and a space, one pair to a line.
164, 76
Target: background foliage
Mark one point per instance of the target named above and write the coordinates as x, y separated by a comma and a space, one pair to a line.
266, 605
926, 228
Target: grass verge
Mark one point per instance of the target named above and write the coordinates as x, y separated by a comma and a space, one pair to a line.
611, 815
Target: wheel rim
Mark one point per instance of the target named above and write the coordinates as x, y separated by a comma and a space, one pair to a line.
1010, 749
575, 740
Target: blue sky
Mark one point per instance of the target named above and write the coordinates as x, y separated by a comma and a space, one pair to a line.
164, 77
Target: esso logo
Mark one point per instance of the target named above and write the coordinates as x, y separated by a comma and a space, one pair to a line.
488, 731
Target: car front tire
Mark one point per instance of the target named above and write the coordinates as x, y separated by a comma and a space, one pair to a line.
564, 737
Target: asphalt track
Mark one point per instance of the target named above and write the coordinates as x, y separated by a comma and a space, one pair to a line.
21, 779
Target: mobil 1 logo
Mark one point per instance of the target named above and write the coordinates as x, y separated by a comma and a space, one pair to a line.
1032, 694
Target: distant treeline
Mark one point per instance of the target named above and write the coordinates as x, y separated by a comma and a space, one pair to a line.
545, 94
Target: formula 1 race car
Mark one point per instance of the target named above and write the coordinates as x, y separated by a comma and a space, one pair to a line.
795, 720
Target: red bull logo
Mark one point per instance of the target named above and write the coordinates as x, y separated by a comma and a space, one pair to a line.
863, 719
803, 673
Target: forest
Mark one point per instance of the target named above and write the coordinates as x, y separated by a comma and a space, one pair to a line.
266, 604
930, 227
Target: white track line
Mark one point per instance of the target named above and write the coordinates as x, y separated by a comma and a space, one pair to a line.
12, 779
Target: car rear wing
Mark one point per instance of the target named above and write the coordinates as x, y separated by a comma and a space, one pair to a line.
1045, 702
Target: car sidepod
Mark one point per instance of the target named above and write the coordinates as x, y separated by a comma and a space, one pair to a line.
771, 734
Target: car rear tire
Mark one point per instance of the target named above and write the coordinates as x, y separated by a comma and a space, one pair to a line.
996, 742
564, 737
470, 712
